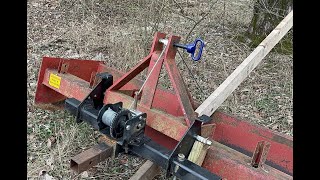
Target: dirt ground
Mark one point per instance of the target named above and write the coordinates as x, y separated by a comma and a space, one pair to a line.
120, 33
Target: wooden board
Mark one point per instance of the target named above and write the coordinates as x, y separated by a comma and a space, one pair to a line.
209, 106
147, 171
199, 150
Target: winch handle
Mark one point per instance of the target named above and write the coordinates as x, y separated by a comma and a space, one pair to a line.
191, 48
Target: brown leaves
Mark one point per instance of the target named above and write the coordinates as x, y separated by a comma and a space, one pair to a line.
51, 141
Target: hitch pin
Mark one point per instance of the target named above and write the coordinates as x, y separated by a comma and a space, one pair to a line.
190, 48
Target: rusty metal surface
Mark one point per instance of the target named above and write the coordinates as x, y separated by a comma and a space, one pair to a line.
244, 136
79, 68
233, 165
207, 130
90, 157
70, 86
177, 81
45, 95
63, 67
93, 79
260, 154
161, 138
149, 89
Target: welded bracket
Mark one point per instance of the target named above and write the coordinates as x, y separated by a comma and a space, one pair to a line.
95, 97
182, 95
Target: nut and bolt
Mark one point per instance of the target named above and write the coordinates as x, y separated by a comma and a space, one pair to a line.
128, 127
181, 157
140, 125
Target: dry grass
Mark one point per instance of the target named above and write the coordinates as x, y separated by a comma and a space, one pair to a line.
120, 33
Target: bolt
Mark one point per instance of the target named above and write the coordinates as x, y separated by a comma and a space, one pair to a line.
203, 140
142, 118
139, 125
181, 157
128, 127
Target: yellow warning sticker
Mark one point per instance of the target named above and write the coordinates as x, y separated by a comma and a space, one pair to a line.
54, 81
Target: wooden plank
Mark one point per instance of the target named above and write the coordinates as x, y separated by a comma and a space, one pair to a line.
199, 150
147, 171
198, 153
209, 106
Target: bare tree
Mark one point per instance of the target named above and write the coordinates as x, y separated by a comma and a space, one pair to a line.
266, 16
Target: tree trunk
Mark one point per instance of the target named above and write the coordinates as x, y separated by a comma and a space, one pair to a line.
267, 14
